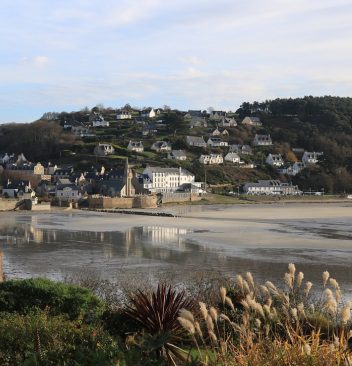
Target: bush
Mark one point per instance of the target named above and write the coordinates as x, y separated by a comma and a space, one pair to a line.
23, 296
37, 339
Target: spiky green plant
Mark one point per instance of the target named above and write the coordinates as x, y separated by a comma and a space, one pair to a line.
157, 314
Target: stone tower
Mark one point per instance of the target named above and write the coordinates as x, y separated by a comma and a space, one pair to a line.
128, 175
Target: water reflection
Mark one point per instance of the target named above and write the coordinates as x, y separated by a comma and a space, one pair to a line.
39, 251
52, 252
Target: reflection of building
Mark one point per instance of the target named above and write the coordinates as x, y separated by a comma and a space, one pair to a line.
161, 235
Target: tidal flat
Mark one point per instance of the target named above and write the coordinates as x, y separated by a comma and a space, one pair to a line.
225, 240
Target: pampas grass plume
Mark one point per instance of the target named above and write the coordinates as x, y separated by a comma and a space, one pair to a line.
292, 269
229, 303
197, 328
250, 279
325, 276
186, 314
186, 324
213, 313
203, 310
346, 313
309, 285
223, 294
300, 277
307, 349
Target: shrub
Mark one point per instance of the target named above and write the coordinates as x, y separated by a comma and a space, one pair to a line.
156, 314
23, 296
38, 339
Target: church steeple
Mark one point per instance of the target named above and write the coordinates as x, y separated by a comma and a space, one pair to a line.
128, 179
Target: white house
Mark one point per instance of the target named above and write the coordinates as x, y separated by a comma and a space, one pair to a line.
311, 157
216, 132
104, 149
217, 142
262, 140
292, 169
212, 159
217, 115
148, 113
196, 141
79, 130
161, 146
97, 120
196, 121
123, 114
177, 155
270, 187
275, 160
241, 149
252, 121
228, 122
233, 158
68, 192
136, 146
158, 180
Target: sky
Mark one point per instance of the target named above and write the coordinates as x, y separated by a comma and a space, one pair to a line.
64, 55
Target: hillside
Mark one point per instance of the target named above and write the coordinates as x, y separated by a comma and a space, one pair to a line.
321, 124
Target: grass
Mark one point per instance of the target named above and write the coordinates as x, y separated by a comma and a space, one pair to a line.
230, 322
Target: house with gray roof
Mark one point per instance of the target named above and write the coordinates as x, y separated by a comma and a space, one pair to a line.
177, 155
262, 140
197, 141
271, 187
161, 146
136, 146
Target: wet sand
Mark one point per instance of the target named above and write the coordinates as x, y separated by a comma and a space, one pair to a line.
229, 239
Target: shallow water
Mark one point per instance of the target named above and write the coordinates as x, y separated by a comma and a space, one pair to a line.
56, 244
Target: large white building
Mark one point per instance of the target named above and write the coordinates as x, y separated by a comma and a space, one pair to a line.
68, 192
270, 187
159, 180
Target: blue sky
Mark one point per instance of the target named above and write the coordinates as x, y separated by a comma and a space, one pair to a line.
65, 55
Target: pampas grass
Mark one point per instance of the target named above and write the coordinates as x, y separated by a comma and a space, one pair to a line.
275, 325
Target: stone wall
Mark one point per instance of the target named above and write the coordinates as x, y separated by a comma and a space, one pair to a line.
123, 202
145, 202
42, 207
179, 197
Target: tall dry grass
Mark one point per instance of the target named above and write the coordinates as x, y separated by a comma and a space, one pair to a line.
256, 324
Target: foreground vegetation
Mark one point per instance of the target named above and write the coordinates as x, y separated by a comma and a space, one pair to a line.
224, 322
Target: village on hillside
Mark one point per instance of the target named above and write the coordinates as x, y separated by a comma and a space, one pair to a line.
142, 158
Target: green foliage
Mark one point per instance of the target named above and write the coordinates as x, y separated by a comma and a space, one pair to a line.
23, 296
35, 339
156, 314
39, 140
314, 124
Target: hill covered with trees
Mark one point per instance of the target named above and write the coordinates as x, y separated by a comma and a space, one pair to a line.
321, 124
314, 124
